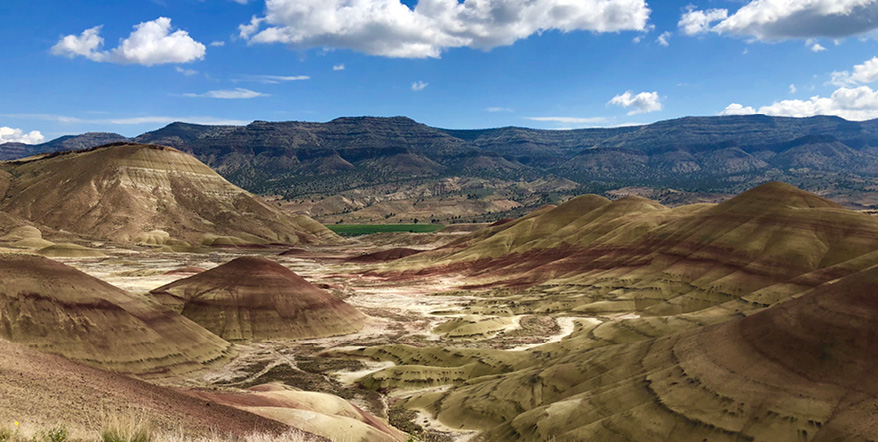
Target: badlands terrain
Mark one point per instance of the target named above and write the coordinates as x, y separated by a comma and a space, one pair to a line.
141, 290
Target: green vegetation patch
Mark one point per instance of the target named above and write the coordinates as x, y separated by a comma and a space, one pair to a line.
368, 229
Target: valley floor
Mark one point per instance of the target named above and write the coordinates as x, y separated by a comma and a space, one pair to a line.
409, 312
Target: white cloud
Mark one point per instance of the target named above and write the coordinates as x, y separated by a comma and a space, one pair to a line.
860, 103
338, 67
784, 19
852, 100
793, 89
228, 94
186, 72
275, 79
217, 43
817, 47
150, 43
499, 109
85, 45
637, 39
419, 86
641, 103
663, 39
149, 119
12, 135
863, 73
570, 120
240, 2
391, 29
697, 22
737, 109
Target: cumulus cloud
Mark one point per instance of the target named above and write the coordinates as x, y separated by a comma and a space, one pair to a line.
853, 100
338, 67
419, 86
817, 47
860, 103
228, 94
391, 29
150, 43
639, 104
663, 39
12, 135
84, 45
867, 72
697, 22
793, 89
784, 19
217, 43
738, 109
570, 120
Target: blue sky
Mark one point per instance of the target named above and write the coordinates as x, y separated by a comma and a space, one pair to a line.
473, 64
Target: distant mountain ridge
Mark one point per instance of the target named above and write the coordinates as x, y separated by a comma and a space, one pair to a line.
366, 159
13, 151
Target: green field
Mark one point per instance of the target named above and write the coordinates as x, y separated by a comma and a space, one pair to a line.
368, 229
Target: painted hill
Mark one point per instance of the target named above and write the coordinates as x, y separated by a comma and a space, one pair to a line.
138, 193
41, 391
669, 261
57, 309
798, 371
319, 413
256, 298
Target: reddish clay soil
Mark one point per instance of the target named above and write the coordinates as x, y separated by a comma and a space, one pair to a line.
42, 391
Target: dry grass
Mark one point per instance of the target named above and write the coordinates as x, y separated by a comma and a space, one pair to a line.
136, 427
289, 436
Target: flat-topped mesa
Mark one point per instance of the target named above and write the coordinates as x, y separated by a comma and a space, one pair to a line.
142, 193
252, 298
58, 309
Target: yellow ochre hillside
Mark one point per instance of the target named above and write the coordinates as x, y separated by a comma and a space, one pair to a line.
669, 261
139, 193
58, 309
256, 298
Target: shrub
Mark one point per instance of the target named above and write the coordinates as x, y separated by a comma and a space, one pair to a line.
115, 435
57, 434
127, 427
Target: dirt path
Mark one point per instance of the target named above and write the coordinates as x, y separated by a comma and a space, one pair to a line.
567, 325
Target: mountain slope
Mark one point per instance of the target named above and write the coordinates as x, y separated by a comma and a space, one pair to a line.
800, 371
150, 194
273, 157
41, 390
58, 309
669, 261
256, 298
376, 161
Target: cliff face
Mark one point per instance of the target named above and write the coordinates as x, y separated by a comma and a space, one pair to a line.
293, 158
